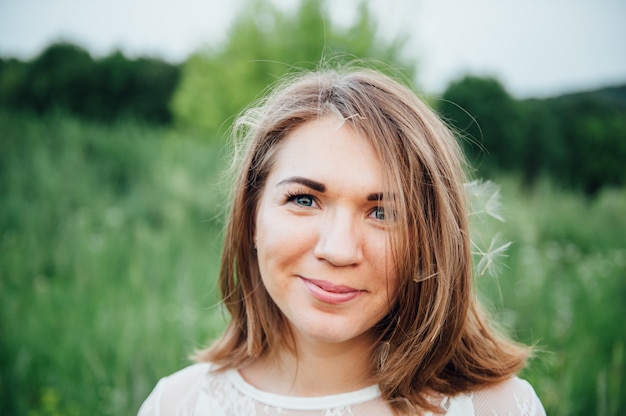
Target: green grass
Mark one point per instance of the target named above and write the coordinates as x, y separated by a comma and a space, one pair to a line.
564, 288
109, 238
109, 248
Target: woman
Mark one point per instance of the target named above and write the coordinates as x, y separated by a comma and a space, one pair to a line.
347, 269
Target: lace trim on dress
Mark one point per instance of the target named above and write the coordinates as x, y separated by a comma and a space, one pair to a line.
302, 403
198, 391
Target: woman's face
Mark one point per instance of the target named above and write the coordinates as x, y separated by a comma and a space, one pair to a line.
323, 237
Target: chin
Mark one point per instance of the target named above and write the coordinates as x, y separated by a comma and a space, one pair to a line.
328, 332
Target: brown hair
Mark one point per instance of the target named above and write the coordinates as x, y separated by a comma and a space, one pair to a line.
435, 338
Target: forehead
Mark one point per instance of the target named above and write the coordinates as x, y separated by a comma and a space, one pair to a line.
328, 149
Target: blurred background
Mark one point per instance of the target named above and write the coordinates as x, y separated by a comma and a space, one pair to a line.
114, 121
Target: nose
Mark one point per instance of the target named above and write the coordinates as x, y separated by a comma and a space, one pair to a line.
339, 241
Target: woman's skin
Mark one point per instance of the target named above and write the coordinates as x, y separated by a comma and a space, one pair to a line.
322, 241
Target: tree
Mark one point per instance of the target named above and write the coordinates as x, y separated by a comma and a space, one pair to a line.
579, 139
140, 88
489, 120
264, 44
593, 126
12, 74
544, 152
60, 77
65, 77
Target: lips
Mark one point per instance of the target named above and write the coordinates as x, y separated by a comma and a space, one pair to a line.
330, 293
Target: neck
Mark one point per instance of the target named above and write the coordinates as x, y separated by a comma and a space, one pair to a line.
316, 369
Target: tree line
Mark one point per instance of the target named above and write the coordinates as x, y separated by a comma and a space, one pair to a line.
65, 77
578, 139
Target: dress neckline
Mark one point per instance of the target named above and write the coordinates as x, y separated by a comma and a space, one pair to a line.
302, 403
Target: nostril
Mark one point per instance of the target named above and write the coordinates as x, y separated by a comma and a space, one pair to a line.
340, 250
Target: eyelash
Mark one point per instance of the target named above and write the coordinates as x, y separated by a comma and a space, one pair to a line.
292, 196
381, 209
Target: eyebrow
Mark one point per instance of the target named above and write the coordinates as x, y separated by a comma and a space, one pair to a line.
309, 183
375, 197
320, 187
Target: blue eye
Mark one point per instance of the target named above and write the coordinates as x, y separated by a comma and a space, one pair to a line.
378, 213
301, 199
304, 200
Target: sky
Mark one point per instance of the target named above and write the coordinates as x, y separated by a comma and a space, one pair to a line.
536, 48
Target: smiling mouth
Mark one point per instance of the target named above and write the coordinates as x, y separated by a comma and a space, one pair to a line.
330, 293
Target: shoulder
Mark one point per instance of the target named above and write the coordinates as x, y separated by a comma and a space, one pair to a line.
189, 375
511, 397
172, 390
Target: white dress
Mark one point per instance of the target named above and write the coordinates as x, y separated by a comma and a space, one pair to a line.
196, 390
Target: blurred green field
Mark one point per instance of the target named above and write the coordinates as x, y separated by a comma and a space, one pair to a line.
109, 246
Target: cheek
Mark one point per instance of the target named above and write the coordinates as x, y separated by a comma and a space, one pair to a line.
281, 242
386, 268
